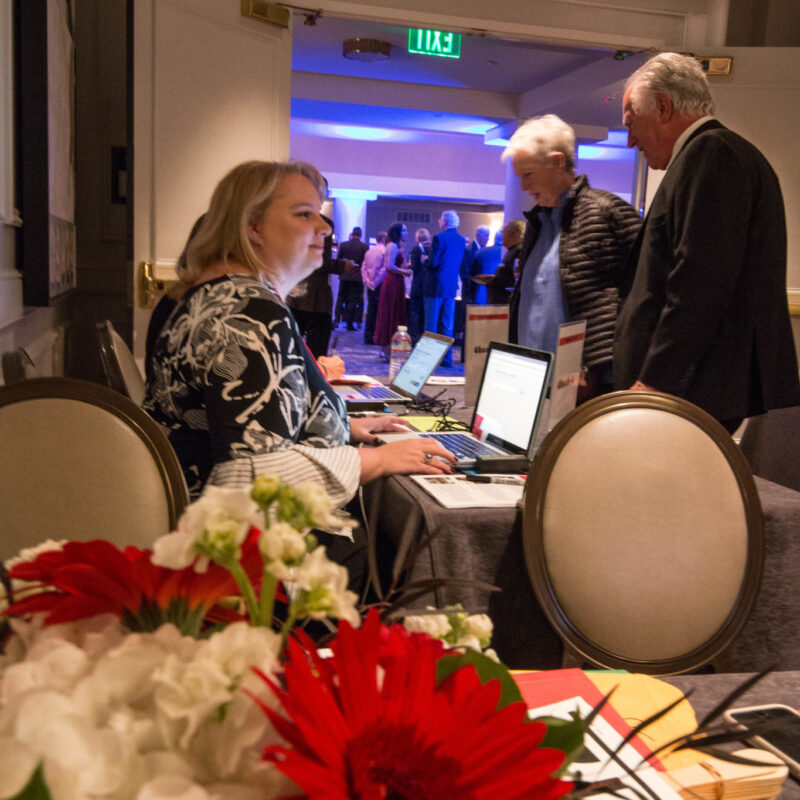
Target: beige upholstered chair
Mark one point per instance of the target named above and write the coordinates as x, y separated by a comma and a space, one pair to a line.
121, 370
18, 366
80, 461
643, 534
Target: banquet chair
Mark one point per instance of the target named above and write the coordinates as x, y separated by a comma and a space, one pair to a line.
18, 366
771, 444
643, 534
121, 370
80, 461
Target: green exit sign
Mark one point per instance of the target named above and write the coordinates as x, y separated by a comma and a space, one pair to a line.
434, 43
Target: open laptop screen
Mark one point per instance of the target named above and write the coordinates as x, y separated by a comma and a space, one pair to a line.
511, 396
421, 363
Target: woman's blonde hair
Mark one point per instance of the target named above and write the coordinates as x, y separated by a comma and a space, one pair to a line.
240, 197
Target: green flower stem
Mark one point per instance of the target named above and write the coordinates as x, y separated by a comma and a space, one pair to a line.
248, 593
287, 626
269, 583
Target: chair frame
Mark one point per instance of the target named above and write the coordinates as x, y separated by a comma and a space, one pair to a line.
127, 411
576, 644
110, 358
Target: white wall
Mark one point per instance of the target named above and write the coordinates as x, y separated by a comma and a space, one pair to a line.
761, 101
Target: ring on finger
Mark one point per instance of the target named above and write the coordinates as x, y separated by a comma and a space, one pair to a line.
428, 456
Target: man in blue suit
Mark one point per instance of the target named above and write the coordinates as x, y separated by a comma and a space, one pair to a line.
441, 278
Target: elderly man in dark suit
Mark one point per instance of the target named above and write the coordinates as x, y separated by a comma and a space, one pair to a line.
441, 278
706, 316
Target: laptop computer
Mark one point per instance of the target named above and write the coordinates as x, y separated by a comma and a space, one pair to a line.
508, 408
407, 385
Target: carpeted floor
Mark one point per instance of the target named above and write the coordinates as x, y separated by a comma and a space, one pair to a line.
364, 359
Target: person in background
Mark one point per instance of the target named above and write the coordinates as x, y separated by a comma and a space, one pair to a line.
311, 300
372, 274
705, 315
233, 382
573, 253
486, 262
469, 267
441, 278
350, 301
498, 290
420, 255
392, 305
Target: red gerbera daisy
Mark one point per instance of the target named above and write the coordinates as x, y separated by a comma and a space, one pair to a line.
372, 724
84, 579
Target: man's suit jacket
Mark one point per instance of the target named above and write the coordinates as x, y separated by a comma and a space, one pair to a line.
706, 317
441, 271
467, 270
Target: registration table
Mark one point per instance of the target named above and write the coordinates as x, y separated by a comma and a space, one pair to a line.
485, 544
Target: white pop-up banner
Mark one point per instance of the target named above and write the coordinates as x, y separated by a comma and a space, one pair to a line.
566, 370
484, 324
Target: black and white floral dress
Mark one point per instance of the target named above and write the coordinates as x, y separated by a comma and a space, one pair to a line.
241, 395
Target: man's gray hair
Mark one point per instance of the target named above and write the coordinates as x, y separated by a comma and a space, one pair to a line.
679, 77
451, 218
540, 137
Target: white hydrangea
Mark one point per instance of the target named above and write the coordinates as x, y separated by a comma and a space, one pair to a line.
139, 716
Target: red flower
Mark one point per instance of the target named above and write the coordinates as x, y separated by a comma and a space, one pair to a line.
84, 579
371, 723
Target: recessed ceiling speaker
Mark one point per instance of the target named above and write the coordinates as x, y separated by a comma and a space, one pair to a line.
366, 49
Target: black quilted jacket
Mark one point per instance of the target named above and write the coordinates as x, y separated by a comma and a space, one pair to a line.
597, 231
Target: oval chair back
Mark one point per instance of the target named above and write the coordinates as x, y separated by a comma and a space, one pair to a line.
80, 461
643, 534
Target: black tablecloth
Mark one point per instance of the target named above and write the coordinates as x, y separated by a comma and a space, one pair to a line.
486, 545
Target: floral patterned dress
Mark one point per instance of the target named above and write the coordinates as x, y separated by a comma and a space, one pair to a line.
240, 394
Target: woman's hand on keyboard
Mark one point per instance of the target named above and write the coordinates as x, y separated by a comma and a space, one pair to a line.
406, 457
363, 429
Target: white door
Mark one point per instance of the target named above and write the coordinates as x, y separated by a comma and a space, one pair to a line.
210, 89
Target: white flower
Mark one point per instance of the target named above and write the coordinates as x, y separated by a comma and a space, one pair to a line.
321, 511
189, 692
325, 593
31, 553
17, 763
480, 626
217, 523
79, 759
435, 625
470, 642
172, 787
50, 664
282, 542
265, 489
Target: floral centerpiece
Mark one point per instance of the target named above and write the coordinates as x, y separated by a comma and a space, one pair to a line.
183, 672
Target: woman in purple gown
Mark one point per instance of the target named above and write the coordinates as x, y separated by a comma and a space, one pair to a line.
392, 304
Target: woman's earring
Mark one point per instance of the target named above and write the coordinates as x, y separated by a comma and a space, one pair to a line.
255, 239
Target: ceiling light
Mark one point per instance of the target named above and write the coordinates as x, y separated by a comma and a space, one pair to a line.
366, 49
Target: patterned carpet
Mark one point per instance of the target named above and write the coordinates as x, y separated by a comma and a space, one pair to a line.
363, 359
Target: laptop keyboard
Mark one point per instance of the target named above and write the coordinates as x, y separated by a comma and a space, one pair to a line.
461, 445
378, 393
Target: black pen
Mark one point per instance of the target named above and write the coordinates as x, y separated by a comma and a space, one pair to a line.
514, 480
